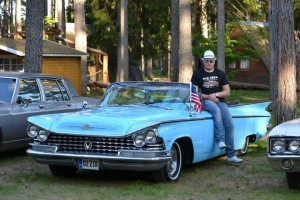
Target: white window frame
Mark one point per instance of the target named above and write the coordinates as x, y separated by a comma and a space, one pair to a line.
11, 58
245, 64
232, 65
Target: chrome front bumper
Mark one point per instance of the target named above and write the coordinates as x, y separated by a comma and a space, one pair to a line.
133, 160
284, 163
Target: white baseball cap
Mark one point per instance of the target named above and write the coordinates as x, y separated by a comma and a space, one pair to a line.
208, 54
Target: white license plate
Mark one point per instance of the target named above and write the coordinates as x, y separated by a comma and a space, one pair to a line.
88, 164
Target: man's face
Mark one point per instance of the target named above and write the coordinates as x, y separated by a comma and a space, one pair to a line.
209, 63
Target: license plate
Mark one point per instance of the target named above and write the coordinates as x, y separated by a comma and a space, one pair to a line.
88, 164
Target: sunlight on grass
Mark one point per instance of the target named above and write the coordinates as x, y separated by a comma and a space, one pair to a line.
249, 96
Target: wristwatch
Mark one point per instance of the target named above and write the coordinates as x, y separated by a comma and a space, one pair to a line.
217, 94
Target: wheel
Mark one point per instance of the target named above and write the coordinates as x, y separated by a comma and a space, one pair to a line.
63, 171
171, 171
293, 180
245, 147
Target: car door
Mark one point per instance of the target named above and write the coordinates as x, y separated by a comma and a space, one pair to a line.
7, 88
28, 102
57, 96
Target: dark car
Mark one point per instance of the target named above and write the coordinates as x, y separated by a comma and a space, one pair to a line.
26, 94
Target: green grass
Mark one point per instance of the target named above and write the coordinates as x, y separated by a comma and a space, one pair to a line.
249, 96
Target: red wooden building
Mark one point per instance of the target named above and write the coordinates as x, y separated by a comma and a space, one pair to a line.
254, 70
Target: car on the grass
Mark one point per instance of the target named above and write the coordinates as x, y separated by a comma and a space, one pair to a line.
139, 126
283, 151
26, 94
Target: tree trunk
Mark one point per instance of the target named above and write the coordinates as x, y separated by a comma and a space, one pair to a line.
18, 23
283, 60
4, 28
185, 42
34, 36
123, 63
149, 74
61, 18
221, 35
174, 68
203, 18
297, 44
81, 41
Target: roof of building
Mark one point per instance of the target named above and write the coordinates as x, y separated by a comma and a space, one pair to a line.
50, 48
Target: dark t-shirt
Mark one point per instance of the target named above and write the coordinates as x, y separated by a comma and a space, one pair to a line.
210, 82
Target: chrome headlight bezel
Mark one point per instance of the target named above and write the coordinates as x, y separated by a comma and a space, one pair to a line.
32, 131
284, 145
151, 136
145, 136
294, 146
278, 145
42, 135
37, 133
139, 140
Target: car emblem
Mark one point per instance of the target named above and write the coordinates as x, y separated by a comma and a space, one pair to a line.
88, 145
86, 127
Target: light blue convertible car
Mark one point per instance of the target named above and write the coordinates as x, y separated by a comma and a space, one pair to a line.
139, 126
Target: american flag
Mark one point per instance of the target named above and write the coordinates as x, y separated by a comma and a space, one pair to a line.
195, 98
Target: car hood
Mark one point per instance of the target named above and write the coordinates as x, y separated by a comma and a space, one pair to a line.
113, 121
289, 128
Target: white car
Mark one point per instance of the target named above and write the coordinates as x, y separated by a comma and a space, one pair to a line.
284, 151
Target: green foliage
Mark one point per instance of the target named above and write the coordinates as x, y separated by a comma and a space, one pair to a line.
49, 21
148, 26
102, 19
297, 14
233, 47
231, 74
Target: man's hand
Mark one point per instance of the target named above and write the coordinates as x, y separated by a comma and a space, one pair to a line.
213, 97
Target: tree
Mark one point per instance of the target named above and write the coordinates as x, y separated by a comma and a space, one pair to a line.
185, 42
34, 35
123, 54
18, 25
81, 40
221, 35
61, 17
282, 60
175, 41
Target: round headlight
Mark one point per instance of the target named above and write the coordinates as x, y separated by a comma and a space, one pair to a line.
42, 135
139, 140
32, 131
150, 136
294, 146
278, 146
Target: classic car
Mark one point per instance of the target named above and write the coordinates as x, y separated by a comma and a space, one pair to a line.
283, 151
138, 126
26, 94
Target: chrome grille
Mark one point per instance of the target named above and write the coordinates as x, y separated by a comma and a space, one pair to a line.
100, 145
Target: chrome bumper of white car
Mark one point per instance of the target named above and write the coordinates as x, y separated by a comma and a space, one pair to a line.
125, 160
284, 163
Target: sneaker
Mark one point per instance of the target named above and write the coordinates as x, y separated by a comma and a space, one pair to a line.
222, 145
234, 159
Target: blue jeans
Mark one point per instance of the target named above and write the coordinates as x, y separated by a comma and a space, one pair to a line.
223, 124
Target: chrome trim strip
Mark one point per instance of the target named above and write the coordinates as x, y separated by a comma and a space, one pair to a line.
163, 158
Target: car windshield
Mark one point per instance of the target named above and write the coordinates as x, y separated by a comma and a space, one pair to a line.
149, 93
7, 87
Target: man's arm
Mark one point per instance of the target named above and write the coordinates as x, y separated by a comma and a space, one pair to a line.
225, 93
